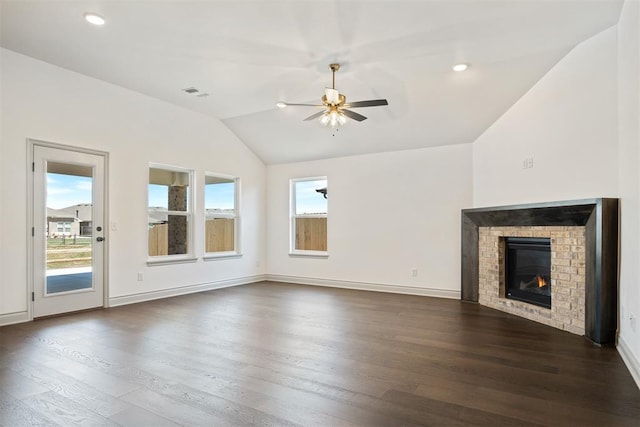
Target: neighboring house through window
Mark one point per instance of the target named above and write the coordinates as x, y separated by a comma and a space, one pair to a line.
309, 211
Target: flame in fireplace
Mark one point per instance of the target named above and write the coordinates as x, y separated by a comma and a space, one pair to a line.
541, 282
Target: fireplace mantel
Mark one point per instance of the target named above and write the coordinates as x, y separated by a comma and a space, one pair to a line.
600, 219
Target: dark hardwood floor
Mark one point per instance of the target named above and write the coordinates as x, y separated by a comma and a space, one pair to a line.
281, 354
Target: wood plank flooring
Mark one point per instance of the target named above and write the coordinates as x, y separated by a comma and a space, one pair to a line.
281, 354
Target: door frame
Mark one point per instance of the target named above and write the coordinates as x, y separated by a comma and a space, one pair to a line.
31, 144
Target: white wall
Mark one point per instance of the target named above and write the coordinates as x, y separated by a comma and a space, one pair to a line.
44, 102
629, 134
388, 213
567, 123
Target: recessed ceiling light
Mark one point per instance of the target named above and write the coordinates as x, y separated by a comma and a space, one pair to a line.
281, 104
94, 18
460, 67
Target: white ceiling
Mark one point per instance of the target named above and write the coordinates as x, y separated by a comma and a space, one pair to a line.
250, 54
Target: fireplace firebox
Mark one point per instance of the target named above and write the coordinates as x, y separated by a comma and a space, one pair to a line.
528, 270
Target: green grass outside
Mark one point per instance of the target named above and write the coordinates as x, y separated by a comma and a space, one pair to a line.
68, 252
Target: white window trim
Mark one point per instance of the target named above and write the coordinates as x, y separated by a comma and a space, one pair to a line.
189, 213
308, 254
170, 259
293, 252
237, 252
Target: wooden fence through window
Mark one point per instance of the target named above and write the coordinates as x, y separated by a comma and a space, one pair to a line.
311, 234
219, 237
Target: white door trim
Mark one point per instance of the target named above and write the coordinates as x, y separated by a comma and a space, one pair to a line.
31, 143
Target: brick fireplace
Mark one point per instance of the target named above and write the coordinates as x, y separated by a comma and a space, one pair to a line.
567, 275
584, 261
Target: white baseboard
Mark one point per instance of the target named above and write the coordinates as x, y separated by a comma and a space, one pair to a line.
12, 318
19, 317
183, 290
629, 359
364, 286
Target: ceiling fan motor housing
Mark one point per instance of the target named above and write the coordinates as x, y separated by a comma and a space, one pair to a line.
341, 100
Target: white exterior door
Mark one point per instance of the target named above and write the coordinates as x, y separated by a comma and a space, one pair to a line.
68, 230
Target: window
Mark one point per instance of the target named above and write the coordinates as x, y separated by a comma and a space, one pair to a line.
222, 220
169, 213
63, 227
309, 216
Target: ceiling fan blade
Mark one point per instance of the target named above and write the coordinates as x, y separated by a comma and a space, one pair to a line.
289, 104
369, 103
353, 115
314, 116
333, 97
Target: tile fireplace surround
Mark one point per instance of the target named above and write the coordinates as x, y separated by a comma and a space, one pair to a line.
584, 237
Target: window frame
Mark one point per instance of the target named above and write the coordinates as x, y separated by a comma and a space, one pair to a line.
293, 216
189, 256
236, 252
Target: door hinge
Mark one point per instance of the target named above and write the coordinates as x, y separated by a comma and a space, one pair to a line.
33, 231
33, 166
33, 296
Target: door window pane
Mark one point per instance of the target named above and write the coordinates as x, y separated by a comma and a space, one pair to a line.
69, 190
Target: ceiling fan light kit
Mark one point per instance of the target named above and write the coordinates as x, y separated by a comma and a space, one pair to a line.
334, 104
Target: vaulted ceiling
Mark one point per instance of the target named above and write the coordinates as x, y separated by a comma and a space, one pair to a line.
249, 54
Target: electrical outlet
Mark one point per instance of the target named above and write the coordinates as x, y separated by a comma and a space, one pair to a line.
140, 277
414, 272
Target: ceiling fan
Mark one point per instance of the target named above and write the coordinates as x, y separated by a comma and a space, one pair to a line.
335, 106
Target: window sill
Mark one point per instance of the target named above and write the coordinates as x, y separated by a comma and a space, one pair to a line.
309, 254
221, 255
179, 259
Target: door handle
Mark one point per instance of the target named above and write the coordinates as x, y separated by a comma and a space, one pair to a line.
100, 239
